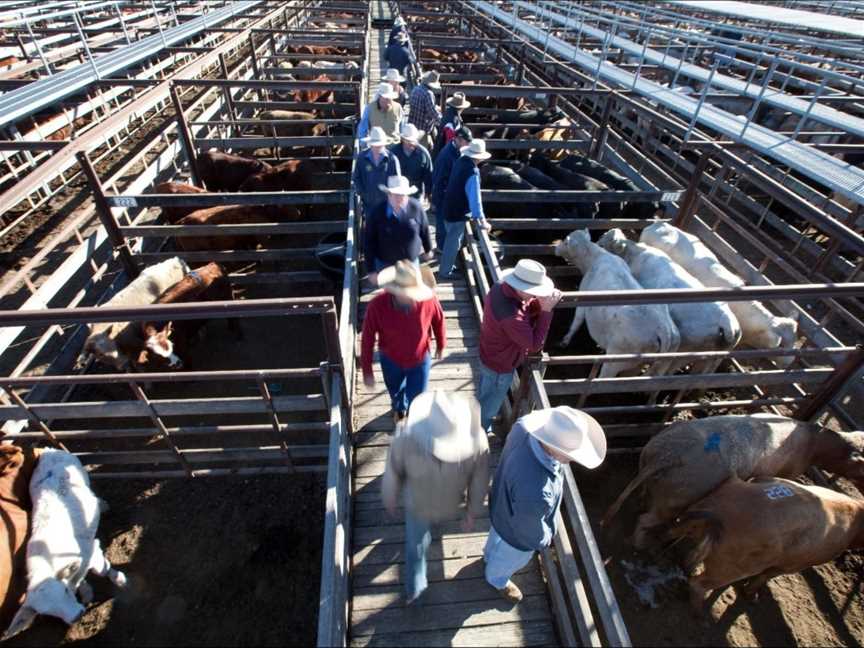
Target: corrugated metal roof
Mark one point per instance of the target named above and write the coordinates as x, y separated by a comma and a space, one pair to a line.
774, 14
844, 178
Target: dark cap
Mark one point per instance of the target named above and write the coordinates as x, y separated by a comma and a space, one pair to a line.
465, 133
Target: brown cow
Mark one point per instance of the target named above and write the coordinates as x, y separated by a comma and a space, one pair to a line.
226, 172
173, 214
224, 215
754, 531
16, 468
315, 96
170, 340
293, 175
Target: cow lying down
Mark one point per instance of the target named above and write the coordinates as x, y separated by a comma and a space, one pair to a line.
690, 459
63, 547
750, 532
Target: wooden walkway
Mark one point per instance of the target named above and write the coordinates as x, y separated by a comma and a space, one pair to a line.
459, 608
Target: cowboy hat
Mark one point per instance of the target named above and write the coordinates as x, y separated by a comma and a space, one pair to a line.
399, 185
385, 90
410, 133
401, 36
529, 276
376, 137
444, 424
570, 431
431, 79
392, 74
399, 20
406, 280
458, 100
476, 150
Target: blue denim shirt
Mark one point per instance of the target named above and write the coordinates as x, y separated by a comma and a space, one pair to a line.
526, 492
472, 190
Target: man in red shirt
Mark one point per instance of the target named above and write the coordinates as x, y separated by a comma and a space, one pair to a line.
402, 318
516, 319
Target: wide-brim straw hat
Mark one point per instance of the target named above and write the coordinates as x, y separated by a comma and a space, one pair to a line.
570, 431
476, 150
431, 79
398, 185
376, 137
458, 100
405, 280
444, 424
385, 90
530, 277
411, 134
392, 74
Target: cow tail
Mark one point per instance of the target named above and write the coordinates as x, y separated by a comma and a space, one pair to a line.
632, 486
702, 527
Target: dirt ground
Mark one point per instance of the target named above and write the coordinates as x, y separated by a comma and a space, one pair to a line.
222, 562
820, 606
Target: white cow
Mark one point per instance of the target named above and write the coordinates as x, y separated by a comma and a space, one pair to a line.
637, 328
703, 326
143, 290
760, 328
62, 547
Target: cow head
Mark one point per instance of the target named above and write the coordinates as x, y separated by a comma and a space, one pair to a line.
104, 350
52, 597
841, 453
613, 241
160, 344
569, 248
783, 332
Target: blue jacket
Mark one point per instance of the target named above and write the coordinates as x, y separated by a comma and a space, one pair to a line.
457, 201
398, 56
526, 493
417, 167
441, 173
367, 177
391, 237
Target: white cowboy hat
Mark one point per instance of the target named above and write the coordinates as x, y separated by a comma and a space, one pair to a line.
476, 150
529, 276
405, 279
385, 90
402, 37
410, 133
392, 74
444, 424
458, 100
376, 137
570, 431
399, 20
431, 79
398, 185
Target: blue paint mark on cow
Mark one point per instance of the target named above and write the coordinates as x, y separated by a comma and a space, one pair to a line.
712, 443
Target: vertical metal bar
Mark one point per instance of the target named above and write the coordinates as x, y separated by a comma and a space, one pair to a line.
642, 57
39, 49
158, 23
34, 418
765, 83
109, 222
163, 434
274, 421
122, 23
812, 103
701, 102
255, 68
186, 138
601, 133
229, 100
688, 203
77, 20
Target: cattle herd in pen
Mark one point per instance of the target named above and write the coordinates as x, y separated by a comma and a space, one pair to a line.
785, 526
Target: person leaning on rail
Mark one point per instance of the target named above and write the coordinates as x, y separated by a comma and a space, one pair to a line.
434, 458
441, 170
527, 488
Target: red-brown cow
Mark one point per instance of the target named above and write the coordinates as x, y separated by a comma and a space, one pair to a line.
224, 215
16, 468
226, 172
173, 214
293, 175
171, 340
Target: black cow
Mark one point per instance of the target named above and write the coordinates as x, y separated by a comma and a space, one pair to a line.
493, 176
592, 169
572, 181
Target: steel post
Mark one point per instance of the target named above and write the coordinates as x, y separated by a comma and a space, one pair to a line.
186, 137
830, 389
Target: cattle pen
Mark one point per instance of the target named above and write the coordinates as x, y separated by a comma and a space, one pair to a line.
743, 129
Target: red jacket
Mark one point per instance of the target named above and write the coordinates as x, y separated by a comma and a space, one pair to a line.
511, 329
403, 335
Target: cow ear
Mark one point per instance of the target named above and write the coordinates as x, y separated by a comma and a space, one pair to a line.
169, 328
22, 620
65, 573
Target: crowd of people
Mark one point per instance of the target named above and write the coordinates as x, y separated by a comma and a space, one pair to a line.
438, 460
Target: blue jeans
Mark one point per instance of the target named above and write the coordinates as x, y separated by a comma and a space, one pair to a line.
491, 393
502, 559
440, 227
418, 535
405, 384
452, 243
